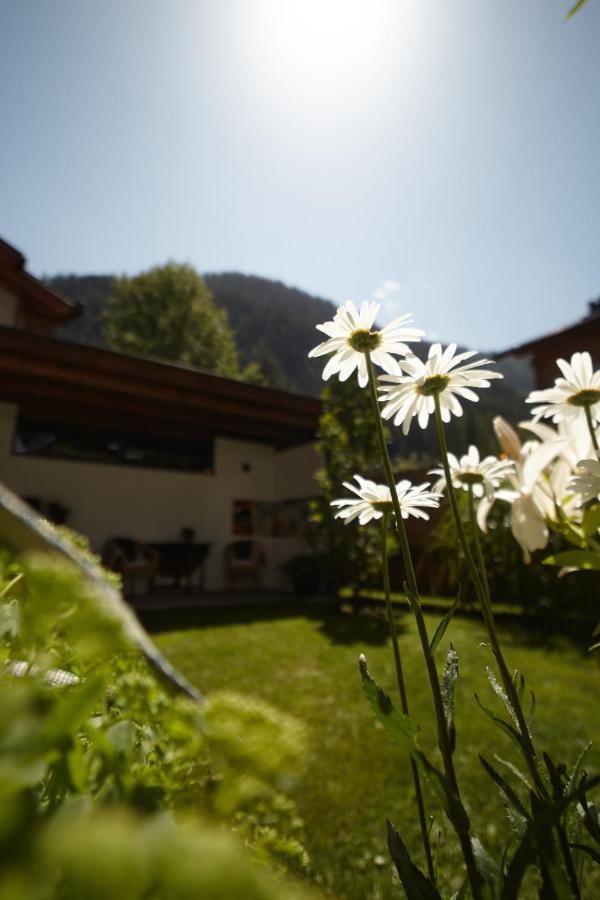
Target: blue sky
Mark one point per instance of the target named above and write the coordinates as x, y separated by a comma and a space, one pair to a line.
450, 149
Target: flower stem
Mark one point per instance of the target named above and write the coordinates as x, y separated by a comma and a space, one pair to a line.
590, 422
477, 542
404, 699
480, 581
486, 609
461, 827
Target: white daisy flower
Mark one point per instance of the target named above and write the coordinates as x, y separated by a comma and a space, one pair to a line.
571, 395
470, 471
587, 480
532, 493
443, 374
350, 334
375, 499
573, 438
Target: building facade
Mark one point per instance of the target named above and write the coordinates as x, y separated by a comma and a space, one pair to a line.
122, 446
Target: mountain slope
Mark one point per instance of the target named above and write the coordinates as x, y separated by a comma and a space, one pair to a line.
269, 317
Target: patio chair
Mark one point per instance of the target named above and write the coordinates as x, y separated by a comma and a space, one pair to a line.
243, 562
132, 560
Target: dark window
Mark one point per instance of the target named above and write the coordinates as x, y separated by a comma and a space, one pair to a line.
58, 441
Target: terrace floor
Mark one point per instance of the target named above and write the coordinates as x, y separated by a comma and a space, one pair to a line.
178, 599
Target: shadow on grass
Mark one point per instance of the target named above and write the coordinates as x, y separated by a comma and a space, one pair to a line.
345, 628
346, 625
368, 626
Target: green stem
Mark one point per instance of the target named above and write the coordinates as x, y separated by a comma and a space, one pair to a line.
562, 836
462, 832
590, 422
404, 699
486, 610
477, 542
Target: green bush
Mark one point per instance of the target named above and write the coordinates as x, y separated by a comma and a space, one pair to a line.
110, 786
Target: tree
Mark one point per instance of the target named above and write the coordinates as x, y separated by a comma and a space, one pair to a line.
347, 443
168, 313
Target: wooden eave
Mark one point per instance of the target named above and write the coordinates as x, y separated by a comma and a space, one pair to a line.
54, 380
572, 332
38, 305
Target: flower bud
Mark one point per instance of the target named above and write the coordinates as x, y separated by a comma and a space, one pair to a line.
507, 437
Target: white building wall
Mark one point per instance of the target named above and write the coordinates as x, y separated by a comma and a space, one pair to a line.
295, 472
153, 505
8, 307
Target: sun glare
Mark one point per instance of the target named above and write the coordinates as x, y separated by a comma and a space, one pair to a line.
318, 57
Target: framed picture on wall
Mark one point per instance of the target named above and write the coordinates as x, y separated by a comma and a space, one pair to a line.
291, 518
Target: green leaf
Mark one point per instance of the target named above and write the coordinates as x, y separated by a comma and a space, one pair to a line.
487, 867
535, 841
443, 625
122, 735
570, 531
591, 520
531, 712
576, 559
515, 810
591, 820
9, 620
515, 770
519, 684
77, 766
75, 704
585, 849
501, 693
447, 689
414, 882
462, 892
501, 724
404, 731
10, 585
575, 9
400, 727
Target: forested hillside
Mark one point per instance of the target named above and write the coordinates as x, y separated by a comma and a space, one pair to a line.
92, 292
274, 325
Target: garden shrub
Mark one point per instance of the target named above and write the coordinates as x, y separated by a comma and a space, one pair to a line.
110, 785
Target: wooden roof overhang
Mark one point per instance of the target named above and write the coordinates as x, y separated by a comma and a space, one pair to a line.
586, 331
545, 350
39, 308
55, 381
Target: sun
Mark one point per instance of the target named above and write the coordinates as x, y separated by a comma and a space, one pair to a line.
321, 58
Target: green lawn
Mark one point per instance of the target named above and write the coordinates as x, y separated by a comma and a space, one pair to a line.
307, 665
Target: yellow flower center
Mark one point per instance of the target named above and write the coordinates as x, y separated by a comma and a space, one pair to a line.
469, 477
435, 384
384, 506
362, 340
586, 397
